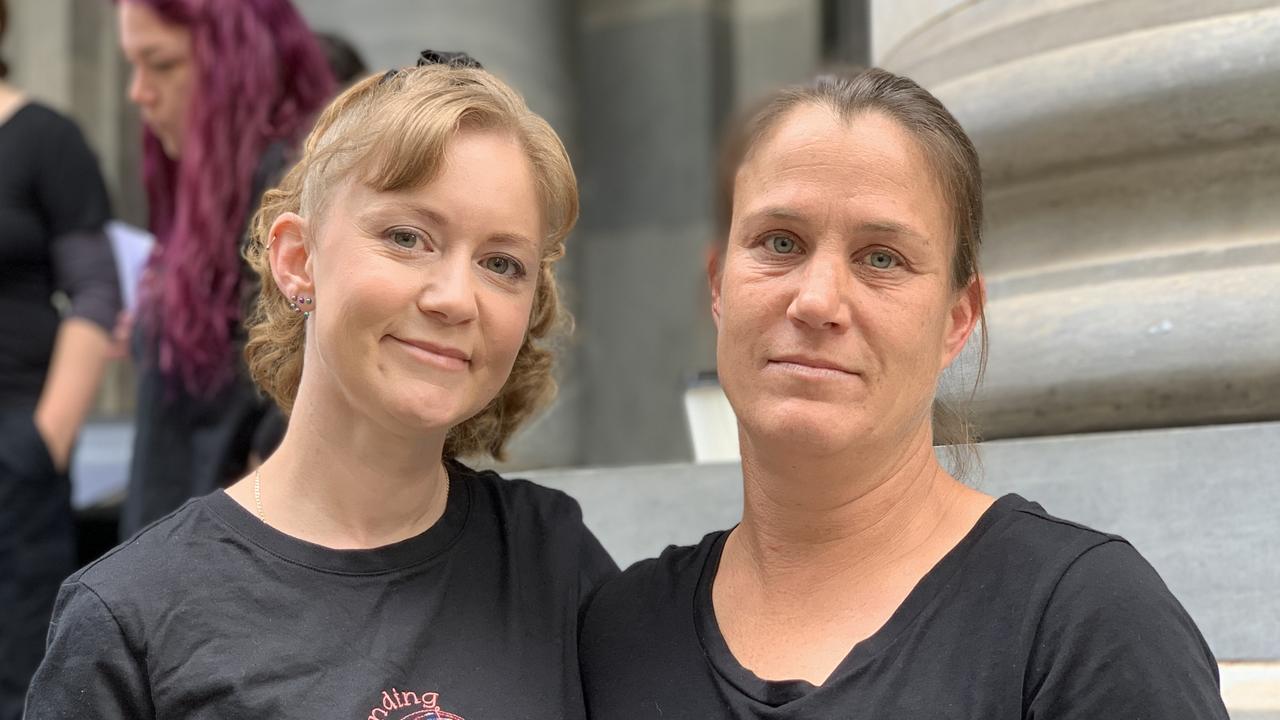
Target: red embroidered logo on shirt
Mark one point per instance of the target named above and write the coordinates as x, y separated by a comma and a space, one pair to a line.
414, 706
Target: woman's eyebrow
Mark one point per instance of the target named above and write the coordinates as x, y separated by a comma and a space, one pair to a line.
875, 226
515, 239
888, 227
780, 212
437, 218
408, 207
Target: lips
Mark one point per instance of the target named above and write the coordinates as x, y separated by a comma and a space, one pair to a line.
443, 356
811, 364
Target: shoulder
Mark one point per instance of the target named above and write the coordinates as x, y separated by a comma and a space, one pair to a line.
159, 559
547, 522
1111, 588
1113, 641
39, 120
1106, 631
38, 114
1034, 523
654, 584
1021, 550
1021, 535
519, 500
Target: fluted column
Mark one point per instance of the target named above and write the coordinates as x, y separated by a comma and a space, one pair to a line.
1131, 153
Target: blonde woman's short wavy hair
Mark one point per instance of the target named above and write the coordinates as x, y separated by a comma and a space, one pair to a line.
390, 133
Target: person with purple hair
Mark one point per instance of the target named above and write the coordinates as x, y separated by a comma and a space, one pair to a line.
225, 88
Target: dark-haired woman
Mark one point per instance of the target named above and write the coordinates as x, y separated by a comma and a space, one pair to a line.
53, 205
224, 90
864, 581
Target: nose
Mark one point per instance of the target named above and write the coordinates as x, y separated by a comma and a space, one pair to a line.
450, 296
139, 92
822, 298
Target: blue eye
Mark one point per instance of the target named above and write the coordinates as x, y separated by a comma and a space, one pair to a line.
881, 260
781, 244
404, 238
502, 265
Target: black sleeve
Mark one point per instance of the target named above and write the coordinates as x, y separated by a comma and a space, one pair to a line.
85, 269
74, 200
90, 668
1115, 643
595, 565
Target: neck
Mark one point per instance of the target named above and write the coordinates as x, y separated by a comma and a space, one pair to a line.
10, 100
342, 481
846, 515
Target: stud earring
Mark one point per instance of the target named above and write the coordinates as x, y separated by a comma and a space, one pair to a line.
297, 304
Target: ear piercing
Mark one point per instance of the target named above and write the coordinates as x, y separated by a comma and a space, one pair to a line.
298, 303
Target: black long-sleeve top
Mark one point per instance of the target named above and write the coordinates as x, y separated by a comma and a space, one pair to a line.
53, 206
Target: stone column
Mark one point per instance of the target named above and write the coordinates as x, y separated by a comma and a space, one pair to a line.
1131, 153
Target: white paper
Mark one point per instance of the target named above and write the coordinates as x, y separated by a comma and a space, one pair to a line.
131, 247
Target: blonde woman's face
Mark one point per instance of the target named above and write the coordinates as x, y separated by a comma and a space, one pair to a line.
423, 296
834, 305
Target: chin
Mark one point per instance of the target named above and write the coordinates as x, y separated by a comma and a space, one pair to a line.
424, 413
811, 427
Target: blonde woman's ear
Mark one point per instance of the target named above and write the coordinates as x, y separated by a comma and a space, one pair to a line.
289, 255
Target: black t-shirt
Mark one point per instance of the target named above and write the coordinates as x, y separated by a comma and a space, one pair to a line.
1028, 616
209, 613
53, 205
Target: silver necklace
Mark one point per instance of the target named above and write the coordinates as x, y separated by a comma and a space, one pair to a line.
257, 492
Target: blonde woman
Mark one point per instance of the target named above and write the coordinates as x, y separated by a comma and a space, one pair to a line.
362, 571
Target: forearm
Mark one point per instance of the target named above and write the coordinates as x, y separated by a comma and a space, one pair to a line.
71, 386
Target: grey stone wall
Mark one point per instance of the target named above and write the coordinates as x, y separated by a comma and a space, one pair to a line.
657, 80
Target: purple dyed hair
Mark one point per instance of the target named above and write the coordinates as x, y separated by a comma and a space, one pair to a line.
260, 77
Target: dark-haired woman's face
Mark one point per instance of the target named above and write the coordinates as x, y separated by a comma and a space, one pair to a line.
163, 72
833, 302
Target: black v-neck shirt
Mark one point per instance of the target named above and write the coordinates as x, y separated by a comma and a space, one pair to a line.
1027, 617
210, 613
